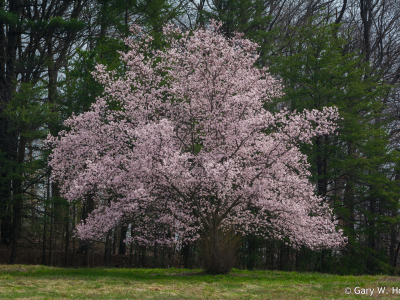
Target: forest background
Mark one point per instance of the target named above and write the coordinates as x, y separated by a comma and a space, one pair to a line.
326, 52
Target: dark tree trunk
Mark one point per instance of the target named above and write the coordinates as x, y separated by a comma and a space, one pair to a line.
108, 246
392, 247
186, 255
107, 250
339, 18
131, 249
366, 11
88, 208
8, 146
86, 248
114, 243
219, 250
393, 252
136, 255
66, 261
272, 254
51, 234
142, 256
122, 245
131, 256
251, 249
17, 201
322, 164
73, 238
282, 256
45, 222
371, 236
348, 197
5, 205
396, 255
155, 256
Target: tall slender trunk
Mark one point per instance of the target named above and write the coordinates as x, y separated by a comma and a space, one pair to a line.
5, 203
371, 233
73, 238
155, 256
122, 245
251, 261
86, 254
66, 264
131, 249
272, 254
5, 186
396, 255
8, 137
17, 200
107, 250
366, 12
142, 253
348, 197
186, 256
322, 164
282, 256
393, 252
132, 257
89, 206
107, 246
114, 244
392, 247
51, 234
45, 221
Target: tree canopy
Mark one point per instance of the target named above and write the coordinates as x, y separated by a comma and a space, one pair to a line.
182, 143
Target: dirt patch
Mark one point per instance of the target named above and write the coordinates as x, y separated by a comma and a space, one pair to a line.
13, 268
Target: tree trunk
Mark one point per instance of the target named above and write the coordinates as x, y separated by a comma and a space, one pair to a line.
366, 12
219, 250
142, 253
17, 200
114, 243
122, 245
348, 197
87, 209
282, 256
371, 235
8, 137
131, 249
51, 234
251, 249
45, 222
392, 247
322, 164
107, 251
396, 255
5, 205
66, 261
86, 247
394, 233
186, 256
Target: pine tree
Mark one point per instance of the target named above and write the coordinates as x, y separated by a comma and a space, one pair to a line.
353, 169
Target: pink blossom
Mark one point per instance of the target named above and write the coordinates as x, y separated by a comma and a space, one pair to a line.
192, 148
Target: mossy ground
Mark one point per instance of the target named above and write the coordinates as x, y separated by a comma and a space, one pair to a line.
40, 282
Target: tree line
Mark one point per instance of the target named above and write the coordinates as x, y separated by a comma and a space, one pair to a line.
326, 53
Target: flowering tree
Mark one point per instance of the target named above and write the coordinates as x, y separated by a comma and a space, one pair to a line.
182, 144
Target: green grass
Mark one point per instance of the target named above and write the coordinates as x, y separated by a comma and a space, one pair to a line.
39, 282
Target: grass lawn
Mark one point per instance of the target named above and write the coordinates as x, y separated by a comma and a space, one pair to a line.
39, 282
